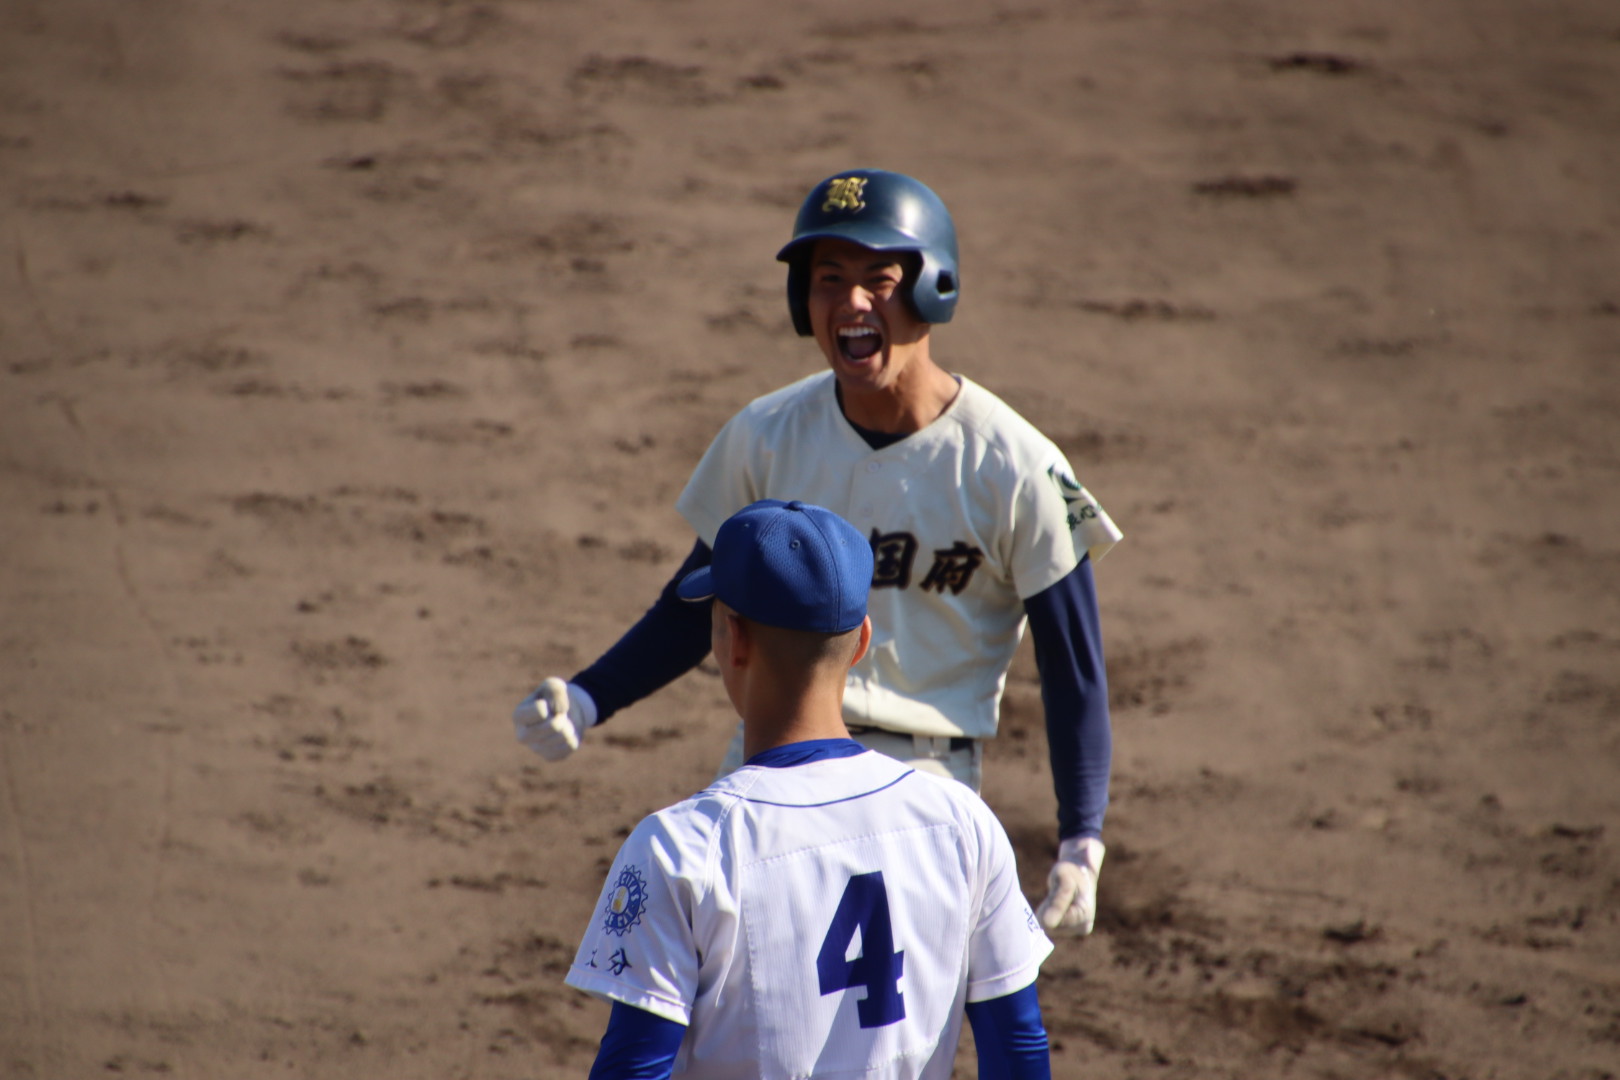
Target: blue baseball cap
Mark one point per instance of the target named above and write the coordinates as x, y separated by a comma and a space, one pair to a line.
788, 564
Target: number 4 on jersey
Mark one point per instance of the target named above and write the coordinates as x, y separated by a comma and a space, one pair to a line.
864, 906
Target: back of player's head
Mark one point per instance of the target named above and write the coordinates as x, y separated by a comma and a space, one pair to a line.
884, 211
790, 565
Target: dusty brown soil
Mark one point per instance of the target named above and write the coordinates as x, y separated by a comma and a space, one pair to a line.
352, 355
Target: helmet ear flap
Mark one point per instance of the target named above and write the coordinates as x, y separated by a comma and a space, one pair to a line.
933, 291
798, 293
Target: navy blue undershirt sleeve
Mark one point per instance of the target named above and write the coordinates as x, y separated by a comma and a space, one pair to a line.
1067, 636
671, 639
1010, 1038
637, 1046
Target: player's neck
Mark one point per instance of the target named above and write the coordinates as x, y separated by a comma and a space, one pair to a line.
772, 718
921, 393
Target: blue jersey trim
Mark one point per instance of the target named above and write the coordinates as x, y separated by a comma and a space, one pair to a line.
798, 753
829, 802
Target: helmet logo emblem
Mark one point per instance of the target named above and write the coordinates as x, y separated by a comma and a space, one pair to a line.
844, 193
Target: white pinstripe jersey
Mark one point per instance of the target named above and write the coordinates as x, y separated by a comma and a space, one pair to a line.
968, 518
822, 919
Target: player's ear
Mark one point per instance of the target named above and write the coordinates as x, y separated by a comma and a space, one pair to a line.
739, 643
864, 640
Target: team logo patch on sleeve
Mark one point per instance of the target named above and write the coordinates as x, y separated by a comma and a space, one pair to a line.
1080, 506
626, 902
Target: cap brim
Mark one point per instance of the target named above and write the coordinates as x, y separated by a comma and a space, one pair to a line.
698, 585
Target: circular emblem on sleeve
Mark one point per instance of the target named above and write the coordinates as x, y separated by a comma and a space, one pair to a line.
625, 902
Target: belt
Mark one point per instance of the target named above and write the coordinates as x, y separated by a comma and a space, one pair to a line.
958, 742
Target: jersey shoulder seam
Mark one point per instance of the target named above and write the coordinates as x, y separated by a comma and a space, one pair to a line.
763, 418
785, 398
693, 817
1001, 427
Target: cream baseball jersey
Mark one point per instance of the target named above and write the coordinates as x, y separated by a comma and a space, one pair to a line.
829, 917
967, 518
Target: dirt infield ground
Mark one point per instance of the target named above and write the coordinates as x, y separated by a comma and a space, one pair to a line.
352, 355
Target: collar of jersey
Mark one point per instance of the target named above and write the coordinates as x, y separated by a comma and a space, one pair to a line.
882, 440
800, 753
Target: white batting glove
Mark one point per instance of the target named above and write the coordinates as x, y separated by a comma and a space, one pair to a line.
1070, 906
553, 719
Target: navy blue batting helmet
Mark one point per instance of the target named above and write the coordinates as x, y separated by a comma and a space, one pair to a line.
885, 211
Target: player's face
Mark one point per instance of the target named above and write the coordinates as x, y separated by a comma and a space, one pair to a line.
861, 320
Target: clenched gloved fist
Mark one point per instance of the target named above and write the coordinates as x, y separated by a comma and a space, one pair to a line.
1070, 906
553, 719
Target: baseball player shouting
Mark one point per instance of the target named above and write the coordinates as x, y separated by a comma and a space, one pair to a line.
725, 929
977, 525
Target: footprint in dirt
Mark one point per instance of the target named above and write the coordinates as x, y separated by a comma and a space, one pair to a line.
1151, 676
344, 91
641, 78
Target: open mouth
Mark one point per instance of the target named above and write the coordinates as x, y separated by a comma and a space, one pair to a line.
858, 343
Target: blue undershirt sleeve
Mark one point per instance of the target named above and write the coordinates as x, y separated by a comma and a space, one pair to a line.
1067, 636
637, 1046
671, 639
1010, 1038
